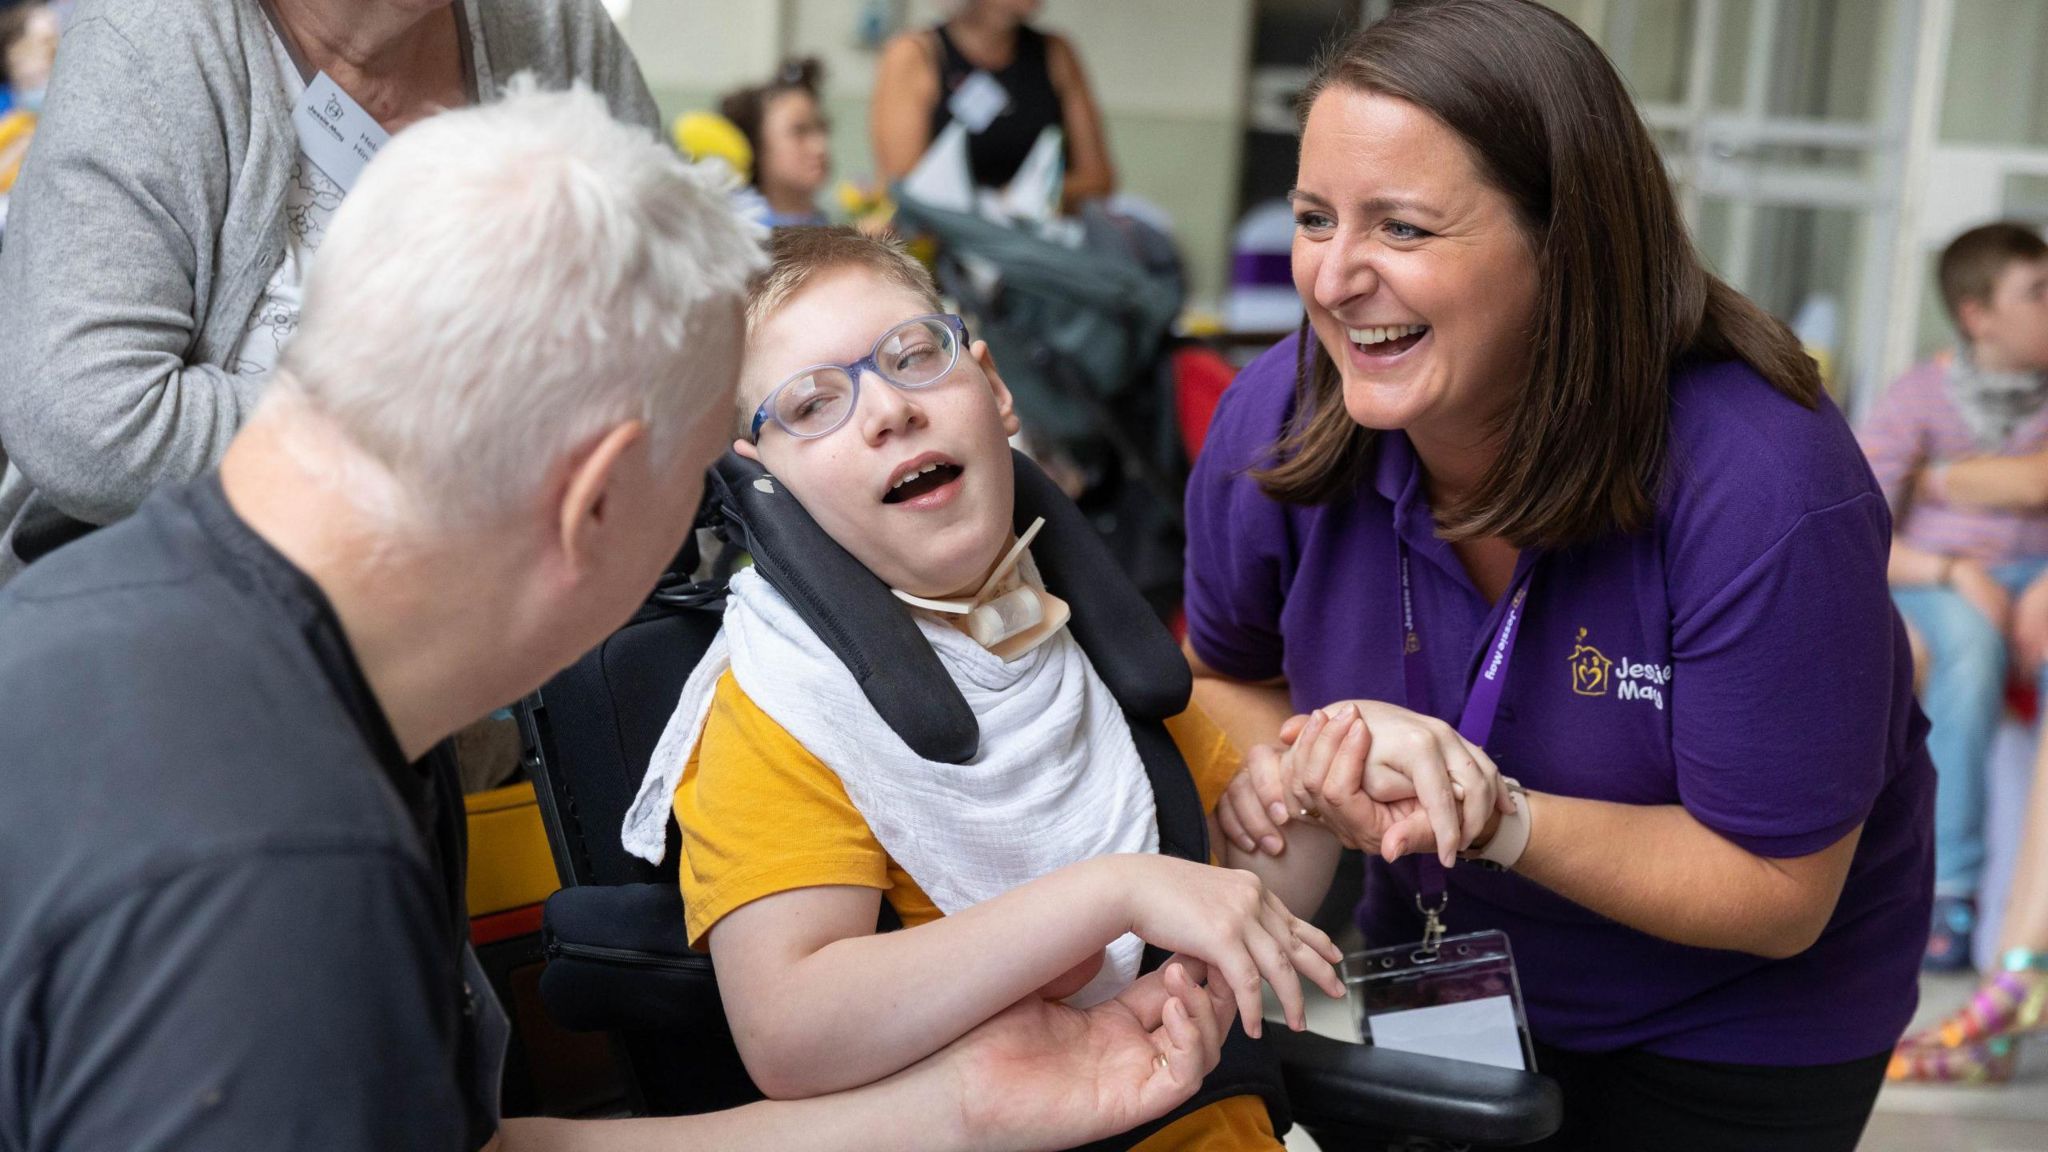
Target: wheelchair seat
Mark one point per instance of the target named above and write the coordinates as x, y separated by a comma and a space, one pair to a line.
619, 959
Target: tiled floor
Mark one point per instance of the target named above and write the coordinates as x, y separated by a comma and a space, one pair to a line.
1910, 1117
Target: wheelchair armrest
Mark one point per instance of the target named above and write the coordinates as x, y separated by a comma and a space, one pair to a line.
1336, 1086
619, 960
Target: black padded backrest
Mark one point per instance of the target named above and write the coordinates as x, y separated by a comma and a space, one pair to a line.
596, 724
1124, 638
867, 628
848, 608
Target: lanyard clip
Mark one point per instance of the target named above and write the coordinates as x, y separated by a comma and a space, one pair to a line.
1432, 925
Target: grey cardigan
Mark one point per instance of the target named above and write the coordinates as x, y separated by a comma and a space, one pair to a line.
149, 218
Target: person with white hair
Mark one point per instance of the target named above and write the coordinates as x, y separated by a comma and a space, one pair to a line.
231, 870
189, 159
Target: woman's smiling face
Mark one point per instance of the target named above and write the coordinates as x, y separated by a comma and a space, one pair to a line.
1417, 277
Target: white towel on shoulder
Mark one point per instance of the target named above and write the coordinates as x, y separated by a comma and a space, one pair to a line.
1057, 779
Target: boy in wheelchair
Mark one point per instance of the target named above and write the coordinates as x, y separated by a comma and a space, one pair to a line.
1035, 865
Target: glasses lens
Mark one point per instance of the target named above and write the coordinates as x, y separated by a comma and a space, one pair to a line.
917, 353
814, 404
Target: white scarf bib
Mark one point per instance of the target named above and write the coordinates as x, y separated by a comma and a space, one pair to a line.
1057, 778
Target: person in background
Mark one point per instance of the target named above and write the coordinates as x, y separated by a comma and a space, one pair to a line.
28, 50
1970, 580
153, 261
1979, 1042
1038, 75
790, 139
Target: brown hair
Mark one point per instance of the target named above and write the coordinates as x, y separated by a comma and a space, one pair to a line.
797, 256
1622, 300
1972, 263
13, 23
748, 107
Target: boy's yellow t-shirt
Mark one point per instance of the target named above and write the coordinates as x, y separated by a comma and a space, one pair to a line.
768, 817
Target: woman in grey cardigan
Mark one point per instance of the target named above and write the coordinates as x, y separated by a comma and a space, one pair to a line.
166, 214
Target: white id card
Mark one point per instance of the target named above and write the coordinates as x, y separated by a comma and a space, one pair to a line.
978, 101
1457, 997
335, 133
1481, 1031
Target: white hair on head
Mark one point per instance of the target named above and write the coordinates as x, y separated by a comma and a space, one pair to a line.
505, 282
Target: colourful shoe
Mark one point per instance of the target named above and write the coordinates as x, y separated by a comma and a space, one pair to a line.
2012, 1003
1989, 1062
1948, 938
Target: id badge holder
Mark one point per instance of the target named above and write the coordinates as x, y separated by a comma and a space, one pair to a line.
1452, 996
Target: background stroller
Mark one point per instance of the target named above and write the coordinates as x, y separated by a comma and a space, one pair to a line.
1081, 335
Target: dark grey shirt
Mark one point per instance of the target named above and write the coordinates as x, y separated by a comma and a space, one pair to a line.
231, 914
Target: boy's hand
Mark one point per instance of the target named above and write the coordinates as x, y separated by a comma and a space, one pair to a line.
1227, 918
1261, 797
1242, 812
1044, 1075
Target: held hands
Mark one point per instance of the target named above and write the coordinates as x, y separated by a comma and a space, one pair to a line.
1382, 779
1227, 918
1045, 1075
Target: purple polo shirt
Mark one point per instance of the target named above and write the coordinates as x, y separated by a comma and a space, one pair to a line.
1740, 656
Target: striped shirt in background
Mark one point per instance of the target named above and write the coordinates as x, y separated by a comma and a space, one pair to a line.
1915, 424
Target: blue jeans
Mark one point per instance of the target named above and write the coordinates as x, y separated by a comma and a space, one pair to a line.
1964, 699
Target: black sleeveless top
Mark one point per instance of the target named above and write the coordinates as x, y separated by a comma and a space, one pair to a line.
995, 154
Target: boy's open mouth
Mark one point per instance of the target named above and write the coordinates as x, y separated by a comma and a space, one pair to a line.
930, 478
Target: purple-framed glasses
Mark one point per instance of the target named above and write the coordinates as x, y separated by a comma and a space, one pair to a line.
815, 402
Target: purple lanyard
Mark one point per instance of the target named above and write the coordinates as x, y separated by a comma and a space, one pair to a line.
1482, 702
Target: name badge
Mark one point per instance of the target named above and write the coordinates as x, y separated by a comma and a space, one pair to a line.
978, 101
335, 133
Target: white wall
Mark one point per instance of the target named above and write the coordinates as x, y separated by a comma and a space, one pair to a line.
703, 45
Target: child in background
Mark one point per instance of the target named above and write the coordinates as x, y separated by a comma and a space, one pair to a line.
28, 50
1035, 867
791, 142
1968, 580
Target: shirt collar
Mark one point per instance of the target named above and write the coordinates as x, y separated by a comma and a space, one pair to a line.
1397, 477
272, 575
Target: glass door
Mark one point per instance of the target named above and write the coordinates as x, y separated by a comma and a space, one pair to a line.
1783, 124
1980, 147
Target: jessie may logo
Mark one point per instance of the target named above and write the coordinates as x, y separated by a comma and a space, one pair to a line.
1593, 674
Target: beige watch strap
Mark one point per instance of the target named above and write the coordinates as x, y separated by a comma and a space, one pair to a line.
1511, 835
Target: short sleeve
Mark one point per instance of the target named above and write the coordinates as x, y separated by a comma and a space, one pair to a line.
1894, 436
760, 815
1783, 686
1212, 759
287, 1000
1238, 537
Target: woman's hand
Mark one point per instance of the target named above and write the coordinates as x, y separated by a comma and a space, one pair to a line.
1384, 779
1228, 919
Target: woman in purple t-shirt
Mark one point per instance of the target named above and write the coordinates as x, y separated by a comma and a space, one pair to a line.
1532, 470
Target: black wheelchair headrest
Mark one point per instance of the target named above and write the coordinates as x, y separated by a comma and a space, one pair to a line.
873, 634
